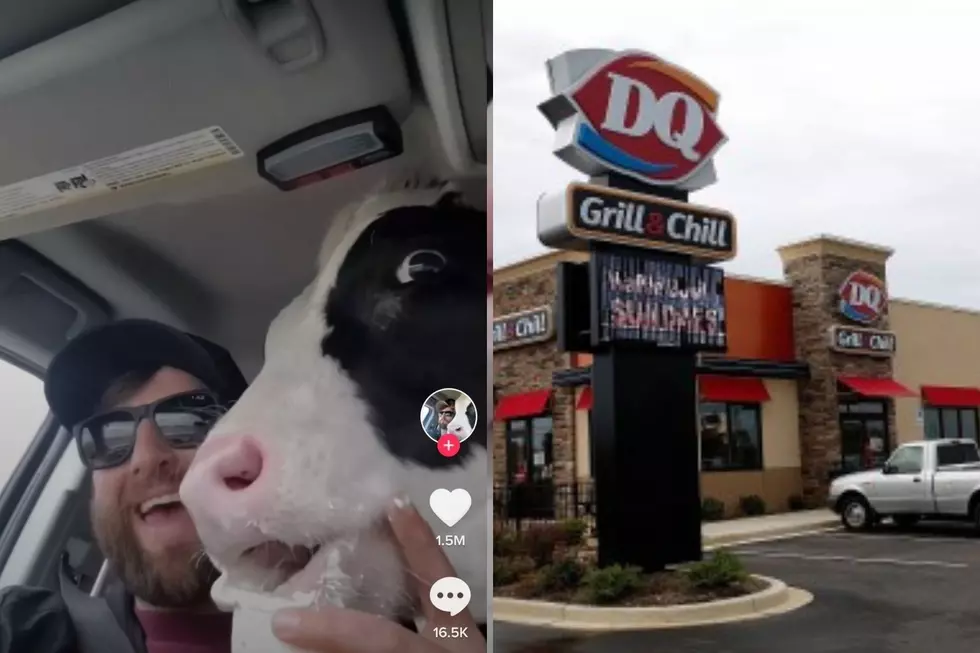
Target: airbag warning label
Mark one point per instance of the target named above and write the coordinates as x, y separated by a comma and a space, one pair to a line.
149, 163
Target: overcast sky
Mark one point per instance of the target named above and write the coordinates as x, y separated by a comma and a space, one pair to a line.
855, 119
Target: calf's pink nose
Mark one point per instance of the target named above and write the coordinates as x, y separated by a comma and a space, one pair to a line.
224, 480
237, 466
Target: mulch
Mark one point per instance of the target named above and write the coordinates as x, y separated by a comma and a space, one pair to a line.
659, 589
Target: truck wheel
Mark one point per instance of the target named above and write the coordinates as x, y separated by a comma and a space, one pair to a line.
856, 514
906, 521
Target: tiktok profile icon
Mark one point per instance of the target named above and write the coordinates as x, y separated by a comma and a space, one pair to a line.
448, 418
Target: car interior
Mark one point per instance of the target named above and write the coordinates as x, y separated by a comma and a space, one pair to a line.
221, 135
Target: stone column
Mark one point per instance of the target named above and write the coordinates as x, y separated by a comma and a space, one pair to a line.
816, 268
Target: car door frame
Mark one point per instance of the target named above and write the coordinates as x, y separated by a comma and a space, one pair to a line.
904, 492
26, 484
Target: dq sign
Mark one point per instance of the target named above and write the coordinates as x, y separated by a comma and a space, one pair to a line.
863, 298
635, 114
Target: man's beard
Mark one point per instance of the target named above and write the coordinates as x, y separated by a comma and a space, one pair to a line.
174, 579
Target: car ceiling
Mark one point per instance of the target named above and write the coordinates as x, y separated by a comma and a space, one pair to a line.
220, 250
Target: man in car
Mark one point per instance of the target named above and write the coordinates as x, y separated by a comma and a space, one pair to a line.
446, 415
139, 397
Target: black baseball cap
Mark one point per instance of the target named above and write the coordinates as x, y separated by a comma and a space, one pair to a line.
81, 373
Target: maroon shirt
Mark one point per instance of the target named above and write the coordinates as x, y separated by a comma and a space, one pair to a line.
184, 632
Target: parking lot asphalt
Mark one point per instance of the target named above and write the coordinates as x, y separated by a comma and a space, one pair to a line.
886, 591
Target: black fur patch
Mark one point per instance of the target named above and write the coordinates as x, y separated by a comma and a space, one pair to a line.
400, 341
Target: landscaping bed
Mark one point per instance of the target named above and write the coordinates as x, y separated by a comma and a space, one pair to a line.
552, 563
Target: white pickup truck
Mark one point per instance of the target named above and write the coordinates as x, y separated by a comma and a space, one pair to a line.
937, 479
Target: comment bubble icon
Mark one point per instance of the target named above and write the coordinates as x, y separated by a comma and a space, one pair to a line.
450, 595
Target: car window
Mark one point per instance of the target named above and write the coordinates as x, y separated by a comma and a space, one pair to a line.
956, 454
22, 412
907, 460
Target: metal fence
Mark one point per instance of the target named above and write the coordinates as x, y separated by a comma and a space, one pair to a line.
518, 506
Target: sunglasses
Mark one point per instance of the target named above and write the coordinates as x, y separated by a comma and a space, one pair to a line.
447, 413
183, 420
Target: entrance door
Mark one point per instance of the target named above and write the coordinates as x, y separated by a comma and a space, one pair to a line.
530, 462
864, 434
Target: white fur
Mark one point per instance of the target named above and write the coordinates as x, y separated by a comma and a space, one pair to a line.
327, 474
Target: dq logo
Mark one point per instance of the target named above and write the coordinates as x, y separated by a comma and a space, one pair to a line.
862, 297
647, 118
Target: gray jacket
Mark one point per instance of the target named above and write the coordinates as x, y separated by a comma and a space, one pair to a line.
41, 620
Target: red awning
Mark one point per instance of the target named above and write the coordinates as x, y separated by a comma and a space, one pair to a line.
869, 387
525, 404
585, 399
732, 389
937, 395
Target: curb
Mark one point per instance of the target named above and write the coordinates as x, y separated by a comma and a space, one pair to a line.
771, 533
778, 598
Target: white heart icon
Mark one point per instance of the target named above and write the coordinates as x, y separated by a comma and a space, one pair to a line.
450, 507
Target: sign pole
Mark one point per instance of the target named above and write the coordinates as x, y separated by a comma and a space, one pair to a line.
648, 505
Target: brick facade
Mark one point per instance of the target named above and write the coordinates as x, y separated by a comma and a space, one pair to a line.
530, 368
815, 271
816, 278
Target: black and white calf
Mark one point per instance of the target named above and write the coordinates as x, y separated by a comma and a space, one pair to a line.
290, 489
465, 420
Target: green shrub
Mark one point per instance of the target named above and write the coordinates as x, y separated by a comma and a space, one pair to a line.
527, 587
752, 505
712, 509
508, 570
575, 530
563, 574
506, 542
610, 584
541, 541
722, 570
796, 503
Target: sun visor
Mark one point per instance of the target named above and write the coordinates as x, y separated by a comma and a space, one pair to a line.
167, 102
453, 55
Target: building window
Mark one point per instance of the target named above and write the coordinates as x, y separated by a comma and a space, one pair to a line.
731, 436
530, 450
950, 422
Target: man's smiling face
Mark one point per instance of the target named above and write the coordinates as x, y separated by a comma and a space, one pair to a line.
446, 415
149, 538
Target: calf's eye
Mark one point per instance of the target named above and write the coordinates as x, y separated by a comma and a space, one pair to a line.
419, 263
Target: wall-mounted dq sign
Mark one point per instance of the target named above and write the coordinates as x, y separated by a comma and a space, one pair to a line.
636, 114
524, 328
857, 340
863, 298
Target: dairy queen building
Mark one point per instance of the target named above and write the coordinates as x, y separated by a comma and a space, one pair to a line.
824, 373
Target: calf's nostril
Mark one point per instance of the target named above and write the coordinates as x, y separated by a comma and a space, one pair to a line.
238, 482
240, 464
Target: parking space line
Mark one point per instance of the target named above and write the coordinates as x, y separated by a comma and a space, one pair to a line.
839, 558
771, 538
889, 537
